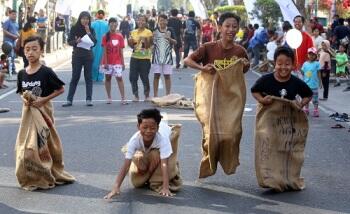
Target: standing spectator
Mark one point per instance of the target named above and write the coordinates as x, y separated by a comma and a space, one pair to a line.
258, 43
3, 70
214, 20
132, 23
191, 34
340, 33
286, 26
100, 27
162, 60
335, 22
314, 24
325, 64
312, 77
341, 60
317, 38
113, 60
59, 23
152, 19
82, 56
27, 31
10, 30
207, 31
140, 62
175, 23
250, 31
245, 40
301, 51
42, 25
124, 28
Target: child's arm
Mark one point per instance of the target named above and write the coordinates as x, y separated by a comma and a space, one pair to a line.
303, 102
119, 180
267, 100
165, 189
40, 101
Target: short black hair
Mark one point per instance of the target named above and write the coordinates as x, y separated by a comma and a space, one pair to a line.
163, 16
174, 12
12, 11
149, 113
191, 14
341, 21
256, 26
114, 20
283, 50
35, 38
228, 15
286, 26
101, 12
3, 56
299, 16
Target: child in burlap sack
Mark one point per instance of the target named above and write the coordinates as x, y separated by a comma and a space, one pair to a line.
146, 149
281, 125
39, 155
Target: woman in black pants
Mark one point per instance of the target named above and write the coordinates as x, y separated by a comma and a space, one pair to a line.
82, 38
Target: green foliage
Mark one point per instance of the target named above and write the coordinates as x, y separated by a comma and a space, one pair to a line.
237, 9
268, 12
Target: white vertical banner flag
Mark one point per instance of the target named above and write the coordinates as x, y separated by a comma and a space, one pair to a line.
230, 2
199, 9
79, 6
40, 4
63, 7
249, 7
288, 10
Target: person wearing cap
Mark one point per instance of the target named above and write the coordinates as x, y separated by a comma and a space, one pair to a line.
312, 77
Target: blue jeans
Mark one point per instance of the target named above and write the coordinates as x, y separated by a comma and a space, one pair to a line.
189, 42
256, 52
11, 58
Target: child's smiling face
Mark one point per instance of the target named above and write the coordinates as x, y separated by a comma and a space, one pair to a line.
283, 68
148, 129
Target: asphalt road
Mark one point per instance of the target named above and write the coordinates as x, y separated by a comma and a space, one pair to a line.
92, 138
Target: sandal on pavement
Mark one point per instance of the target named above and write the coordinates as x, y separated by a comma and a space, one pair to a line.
337, 126
124, 102
109, 101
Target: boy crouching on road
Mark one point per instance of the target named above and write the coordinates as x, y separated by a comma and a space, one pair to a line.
147, 148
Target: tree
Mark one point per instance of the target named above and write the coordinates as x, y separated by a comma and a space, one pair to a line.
268, 12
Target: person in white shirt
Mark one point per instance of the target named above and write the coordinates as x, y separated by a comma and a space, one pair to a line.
153, 136
317, 38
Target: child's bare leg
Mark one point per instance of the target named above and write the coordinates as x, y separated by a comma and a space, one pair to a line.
108, 86
154, 160
121, 87
155, 84
2, 78
141, 162
167, 83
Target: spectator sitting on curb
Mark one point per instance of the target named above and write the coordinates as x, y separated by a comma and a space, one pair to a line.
3, 70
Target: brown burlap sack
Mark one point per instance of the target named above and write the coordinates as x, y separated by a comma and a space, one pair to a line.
38, 149
167, 100
280, 137
219, 106
155, 180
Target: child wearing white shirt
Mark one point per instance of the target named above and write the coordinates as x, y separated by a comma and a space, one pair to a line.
153, 136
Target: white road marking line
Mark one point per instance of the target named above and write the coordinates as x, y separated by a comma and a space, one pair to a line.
7, 93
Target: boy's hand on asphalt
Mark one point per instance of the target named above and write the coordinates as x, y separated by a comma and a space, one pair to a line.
166, 192
112, 193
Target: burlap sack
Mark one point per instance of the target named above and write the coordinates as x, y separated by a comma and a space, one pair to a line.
219, 106
38, 149
167, 100
155, 180
280, 137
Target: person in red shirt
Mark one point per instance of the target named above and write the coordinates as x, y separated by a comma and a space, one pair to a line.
207, 31
301, 51
112, 63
